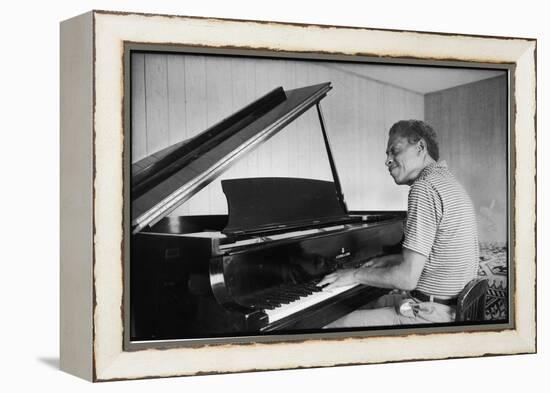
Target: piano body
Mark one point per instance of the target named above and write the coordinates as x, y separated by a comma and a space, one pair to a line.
254, 270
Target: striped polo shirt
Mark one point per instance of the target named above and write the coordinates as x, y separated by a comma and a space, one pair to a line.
441, 225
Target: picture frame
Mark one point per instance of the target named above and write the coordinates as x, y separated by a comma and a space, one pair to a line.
95, 204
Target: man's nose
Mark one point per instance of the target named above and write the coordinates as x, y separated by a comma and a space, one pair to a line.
389, 161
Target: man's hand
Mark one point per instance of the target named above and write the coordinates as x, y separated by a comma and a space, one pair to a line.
339, 278
375, 262
400, 271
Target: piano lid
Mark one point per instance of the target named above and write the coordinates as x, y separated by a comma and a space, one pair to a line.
163, 181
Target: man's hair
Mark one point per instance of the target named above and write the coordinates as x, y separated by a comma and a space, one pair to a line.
414, 130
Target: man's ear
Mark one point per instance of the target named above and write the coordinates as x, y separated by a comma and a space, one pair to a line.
421, 145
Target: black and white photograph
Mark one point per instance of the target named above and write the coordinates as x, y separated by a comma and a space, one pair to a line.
287, 195
209, 196
256, 195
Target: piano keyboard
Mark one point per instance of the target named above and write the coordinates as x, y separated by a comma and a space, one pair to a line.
290, 299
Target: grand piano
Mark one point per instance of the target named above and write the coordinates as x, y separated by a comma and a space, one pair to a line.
255, 269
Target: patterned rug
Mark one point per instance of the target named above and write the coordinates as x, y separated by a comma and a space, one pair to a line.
493, 266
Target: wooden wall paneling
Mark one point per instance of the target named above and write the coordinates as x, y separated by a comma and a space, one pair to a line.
263, 86
304, 126
450, 122
370, 144
185, 94
307, 125
278, 145
372, 147
338, 106
243, 93
219, 87
176, 98
321, 169
290, 133
138, 118
249, 68
156, 96
353, 146
471, 123
395, 110
177, 104
197, 115
377, 151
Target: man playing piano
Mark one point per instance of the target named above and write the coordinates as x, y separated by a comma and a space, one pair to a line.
440, 248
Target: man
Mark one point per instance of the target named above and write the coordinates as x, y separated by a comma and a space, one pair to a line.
440, 248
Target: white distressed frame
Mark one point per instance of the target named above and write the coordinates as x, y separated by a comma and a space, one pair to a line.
100, 298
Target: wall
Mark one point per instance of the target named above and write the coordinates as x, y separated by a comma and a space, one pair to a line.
471, 123
177, 96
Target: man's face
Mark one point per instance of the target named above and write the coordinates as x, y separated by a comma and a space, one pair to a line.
403, 159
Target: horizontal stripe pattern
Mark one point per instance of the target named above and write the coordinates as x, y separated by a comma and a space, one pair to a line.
441, 225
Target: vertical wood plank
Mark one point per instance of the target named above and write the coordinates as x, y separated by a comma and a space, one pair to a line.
177, 107
322, 170
310, 122
368, 169
247, 67
139, 125
156, 93
243, 92
278, 145
263, 85
292, 130
197, 115
304, 127
219, 106
176, 98
338, 109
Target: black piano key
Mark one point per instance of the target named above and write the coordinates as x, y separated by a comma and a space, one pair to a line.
288, 298
296, 293
285, 288
305, 289
278, 300
285, 299
302, 291
305, 292
313, 287
283, 293
266, 304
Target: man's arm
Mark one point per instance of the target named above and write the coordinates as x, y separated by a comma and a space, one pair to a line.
402, 272
384, 261
419, 235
